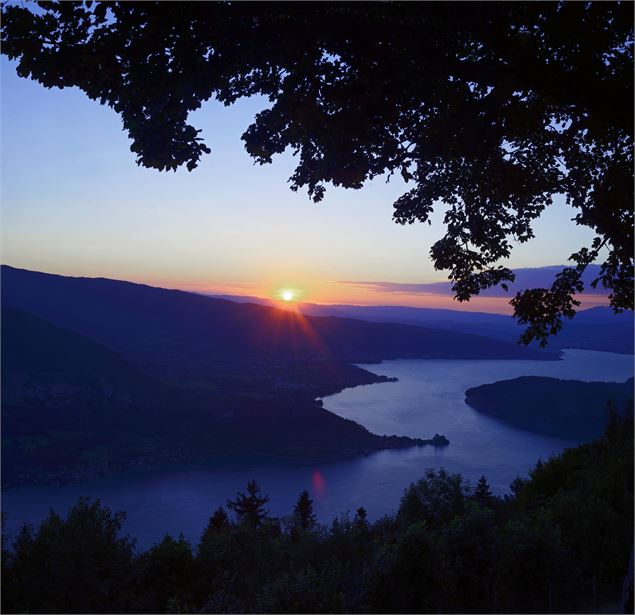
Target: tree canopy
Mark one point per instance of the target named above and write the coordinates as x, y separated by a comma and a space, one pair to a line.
488, 109
250, 507
303, 511
561, 544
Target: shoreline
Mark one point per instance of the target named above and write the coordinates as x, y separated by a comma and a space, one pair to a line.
224, 459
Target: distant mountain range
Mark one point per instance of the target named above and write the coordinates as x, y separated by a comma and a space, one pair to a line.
597, 328
568, 409
170, 329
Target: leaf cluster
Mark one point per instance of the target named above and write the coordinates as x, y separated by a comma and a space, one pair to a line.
487, 109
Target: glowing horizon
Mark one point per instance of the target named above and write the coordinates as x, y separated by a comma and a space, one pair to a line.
229, 227
324, 293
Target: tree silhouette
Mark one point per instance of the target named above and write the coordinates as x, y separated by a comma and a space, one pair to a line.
490, 109
483, 494
167, 570
435, 498
361, 519
303, 511
81, 563
218, 521
249, 507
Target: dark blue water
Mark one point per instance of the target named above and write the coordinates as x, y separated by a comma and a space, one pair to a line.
428, 398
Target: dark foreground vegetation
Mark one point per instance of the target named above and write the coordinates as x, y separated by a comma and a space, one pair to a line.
560, 542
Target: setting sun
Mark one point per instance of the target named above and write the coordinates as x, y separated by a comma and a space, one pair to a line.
288, 294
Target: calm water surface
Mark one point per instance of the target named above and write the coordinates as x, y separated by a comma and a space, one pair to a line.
429, 398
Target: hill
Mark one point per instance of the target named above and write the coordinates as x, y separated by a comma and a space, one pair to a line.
34, 348
597, 328
181, 335
74, 408
568, 409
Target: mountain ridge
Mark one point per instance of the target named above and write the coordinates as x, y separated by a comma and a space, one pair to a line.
73, 408
130, 318
596, 328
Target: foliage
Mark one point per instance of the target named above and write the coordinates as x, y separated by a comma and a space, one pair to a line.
482, 493
560, 542
167, 570
79, 564
304, 591
533, 559
435, 499
303, 511
490, 110
217, 522
250, 507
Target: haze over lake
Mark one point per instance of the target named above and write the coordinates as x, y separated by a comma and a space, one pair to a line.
428, 398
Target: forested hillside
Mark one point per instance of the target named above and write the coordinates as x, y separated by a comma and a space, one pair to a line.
569, 409
559, 542
73, 408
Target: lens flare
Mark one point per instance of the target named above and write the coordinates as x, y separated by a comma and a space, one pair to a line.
319, 485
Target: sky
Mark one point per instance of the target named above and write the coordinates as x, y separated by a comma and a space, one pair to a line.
74, 202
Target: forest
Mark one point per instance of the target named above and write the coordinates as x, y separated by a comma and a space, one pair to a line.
559, 541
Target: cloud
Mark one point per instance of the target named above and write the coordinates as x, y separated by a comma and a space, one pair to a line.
536, 277
400, 288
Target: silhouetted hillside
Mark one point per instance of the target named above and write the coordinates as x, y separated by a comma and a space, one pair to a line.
568, 409
597, 328
72, 408
190, 336
34, 348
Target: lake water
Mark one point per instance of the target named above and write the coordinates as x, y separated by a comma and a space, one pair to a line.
429, 397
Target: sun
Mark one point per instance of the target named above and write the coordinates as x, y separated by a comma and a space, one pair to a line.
288, 294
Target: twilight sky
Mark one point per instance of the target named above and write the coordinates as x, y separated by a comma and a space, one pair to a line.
74, 202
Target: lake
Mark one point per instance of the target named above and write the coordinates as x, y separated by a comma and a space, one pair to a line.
428, 398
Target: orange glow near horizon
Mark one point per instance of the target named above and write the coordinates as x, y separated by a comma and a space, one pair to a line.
325, 292
333, 293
